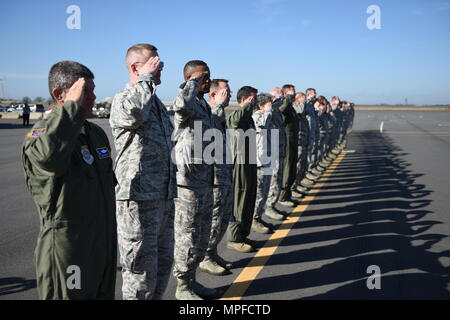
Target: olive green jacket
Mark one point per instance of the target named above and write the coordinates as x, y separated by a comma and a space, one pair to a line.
71, 180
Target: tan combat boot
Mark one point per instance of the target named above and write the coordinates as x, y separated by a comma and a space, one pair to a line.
210, 266
271, 213
222, 262
311, 176
308, 183
240, 246
184, 291
259, 227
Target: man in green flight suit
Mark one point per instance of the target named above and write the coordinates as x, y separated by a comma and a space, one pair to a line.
291, 122
242, 128
68, 170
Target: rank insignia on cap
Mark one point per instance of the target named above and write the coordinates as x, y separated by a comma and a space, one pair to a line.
34, 133
103, 153
87, 156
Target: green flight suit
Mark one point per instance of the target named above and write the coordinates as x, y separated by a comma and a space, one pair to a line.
71, 180
244, 173
291, 122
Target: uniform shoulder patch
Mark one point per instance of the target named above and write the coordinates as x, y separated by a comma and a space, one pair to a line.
34, 133
103, 153
87, 156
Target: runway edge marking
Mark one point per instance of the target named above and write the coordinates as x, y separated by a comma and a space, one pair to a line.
242, 282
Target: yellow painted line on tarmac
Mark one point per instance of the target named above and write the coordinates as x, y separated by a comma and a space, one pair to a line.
240, 285
403, 108
418, 133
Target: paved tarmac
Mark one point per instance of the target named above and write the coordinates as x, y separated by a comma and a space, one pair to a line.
384, 204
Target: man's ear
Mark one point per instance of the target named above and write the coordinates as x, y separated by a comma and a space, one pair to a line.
187, 75
133, 69
58, 95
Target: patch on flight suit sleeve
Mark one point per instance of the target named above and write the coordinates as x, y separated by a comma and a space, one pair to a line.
34, 133
103, 153
87, 156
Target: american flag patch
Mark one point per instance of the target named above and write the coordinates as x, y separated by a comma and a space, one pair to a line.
34, 133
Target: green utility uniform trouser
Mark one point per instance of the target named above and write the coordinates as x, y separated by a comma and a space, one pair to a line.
244, 185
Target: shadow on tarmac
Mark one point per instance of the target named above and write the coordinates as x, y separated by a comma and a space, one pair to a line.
15, 285
378, 216
15, 126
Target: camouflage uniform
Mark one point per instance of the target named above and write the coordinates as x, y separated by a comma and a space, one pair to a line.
323, 129
278, 166
347, 120
302, 162
339, 123
342, 128
145, 231
195, 177
332, 131
263, 121
223, 192
146, 189
351, 117
193, 216
314, 134
222, 210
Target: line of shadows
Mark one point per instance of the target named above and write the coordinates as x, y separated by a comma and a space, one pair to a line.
15, 126
376, 214
15, 284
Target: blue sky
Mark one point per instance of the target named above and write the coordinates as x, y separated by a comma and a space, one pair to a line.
263, 43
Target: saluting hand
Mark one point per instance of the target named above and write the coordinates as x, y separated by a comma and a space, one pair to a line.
198, 75
290, 91
251, 100
76, 92
151, 66
221, 96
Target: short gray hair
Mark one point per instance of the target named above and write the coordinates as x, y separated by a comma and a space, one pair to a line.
63, 75
137, 50
276, 92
